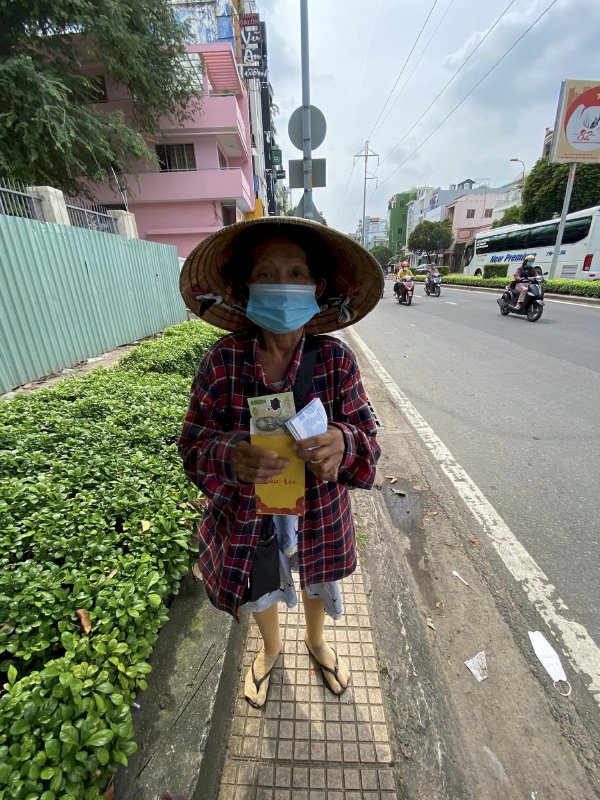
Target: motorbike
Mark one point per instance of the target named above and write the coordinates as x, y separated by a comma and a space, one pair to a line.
433, 285
404, 290
533, 307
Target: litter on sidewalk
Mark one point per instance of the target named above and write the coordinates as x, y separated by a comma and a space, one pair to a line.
478, 666
549, 659
460, 578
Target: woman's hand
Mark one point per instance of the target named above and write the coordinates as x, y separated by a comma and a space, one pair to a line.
323, 453
254, 465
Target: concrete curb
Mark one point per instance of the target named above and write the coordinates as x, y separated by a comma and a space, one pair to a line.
182, 725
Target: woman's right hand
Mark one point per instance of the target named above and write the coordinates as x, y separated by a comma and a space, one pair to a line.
254, 465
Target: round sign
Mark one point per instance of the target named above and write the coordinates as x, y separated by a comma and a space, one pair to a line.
582, 121
318, 128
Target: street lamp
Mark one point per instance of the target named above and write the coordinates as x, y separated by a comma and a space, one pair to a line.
523, 176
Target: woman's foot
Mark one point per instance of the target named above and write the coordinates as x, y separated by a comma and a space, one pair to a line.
258, 677
335, 672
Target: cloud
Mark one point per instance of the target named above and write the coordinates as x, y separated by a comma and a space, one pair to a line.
356, 57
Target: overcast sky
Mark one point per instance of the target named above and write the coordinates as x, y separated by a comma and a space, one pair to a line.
357, 51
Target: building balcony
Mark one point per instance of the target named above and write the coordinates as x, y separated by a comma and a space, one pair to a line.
219, 116
221, 185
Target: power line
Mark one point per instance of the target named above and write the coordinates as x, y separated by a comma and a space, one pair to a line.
366, 153
447, 84
416, 64
341, 205
403, 67
470, 92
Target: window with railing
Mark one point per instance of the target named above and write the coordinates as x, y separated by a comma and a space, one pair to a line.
176, 157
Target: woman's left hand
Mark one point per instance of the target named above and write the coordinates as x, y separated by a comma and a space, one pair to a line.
323, 453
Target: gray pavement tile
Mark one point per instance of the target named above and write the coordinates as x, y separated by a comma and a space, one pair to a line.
297, 742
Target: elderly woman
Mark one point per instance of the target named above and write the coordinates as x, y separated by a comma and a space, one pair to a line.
275, 283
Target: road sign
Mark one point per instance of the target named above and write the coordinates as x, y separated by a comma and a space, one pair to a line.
296, 170
313, 214
318, 128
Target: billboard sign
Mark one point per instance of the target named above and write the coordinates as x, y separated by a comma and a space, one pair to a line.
251, 39
576, 137
277, 162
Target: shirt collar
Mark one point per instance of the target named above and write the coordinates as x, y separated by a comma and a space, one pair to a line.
252, 370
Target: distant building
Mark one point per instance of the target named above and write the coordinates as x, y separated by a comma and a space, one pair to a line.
508, 195
215, 168
398, 220
548, 136
376, 234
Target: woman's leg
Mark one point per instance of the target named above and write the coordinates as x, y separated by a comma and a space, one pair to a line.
268, 625
314, 615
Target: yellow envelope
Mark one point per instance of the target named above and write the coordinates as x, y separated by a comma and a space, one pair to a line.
285, 493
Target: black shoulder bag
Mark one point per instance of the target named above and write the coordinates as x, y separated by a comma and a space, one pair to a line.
264, 574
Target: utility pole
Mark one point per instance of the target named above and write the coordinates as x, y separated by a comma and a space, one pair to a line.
306, 132
367, 153
563, 219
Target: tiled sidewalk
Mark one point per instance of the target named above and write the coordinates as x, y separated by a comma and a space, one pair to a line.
307, 744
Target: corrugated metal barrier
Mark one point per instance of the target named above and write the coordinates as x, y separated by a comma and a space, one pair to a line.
67, 294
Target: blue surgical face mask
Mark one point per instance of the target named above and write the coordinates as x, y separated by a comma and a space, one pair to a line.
281, 307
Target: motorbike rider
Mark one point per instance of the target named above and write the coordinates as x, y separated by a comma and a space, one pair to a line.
432, 272
403, 272
521, 279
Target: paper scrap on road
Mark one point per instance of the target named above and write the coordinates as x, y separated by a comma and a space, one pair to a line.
549, 659
478, 666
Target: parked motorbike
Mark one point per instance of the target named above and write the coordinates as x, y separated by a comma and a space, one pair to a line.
433, 285
404, 290
532, 308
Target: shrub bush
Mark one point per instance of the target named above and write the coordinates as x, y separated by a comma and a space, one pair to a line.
569, 287
176, 351
495, 270
444, 270
95, 517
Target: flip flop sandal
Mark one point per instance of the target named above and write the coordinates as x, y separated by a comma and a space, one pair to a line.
257, 684
333, 672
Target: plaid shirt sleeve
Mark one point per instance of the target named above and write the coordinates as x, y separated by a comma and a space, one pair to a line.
205, 444
354, 418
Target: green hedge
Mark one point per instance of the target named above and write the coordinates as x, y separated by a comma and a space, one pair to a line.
176, 351
568, 287
95, 517
495, 270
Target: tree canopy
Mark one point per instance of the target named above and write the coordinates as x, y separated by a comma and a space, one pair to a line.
429, 237
544, 190
383, 255
50, 131
511, 216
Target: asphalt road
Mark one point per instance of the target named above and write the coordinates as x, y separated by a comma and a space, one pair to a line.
518, 405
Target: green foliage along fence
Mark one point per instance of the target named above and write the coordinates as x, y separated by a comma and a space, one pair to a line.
95, 518
67, 294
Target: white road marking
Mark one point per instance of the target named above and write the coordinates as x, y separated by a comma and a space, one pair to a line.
448, 303
547, 299
582, 651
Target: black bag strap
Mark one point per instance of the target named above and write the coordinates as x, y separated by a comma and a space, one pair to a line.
306, 371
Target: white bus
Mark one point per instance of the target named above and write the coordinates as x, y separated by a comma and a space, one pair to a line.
579, 256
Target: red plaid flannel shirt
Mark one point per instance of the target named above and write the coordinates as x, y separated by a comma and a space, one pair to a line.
218, 418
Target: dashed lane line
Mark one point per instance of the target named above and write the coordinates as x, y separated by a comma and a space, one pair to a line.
582, 651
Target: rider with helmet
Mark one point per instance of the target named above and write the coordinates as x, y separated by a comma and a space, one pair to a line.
521, 279
403, 272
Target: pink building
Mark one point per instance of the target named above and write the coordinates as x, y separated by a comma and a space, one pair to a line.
469, 214
205, 176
